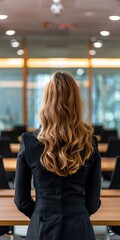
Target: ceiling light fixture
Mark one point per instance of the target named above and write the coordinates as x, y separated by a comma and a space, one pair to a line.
20, 52
10, 32
98, 44
93, 39
14, 43
56, 7
3, 17
56, 1
80, 71
114, 18
104, 33
92, 52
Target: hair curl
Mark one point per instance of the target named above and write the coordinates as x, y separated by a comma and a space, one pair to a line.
63, 132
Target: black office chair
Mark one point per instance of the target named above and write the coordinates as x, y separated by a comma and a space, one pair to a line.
115, 184
115, 178
3, 179
106, 134
98, 129
4, 185
19, 129
11, 135
6, 152
112, 151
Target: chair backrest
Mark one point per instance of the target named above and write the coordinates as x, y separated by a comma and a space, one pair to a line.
115, 184
115, 178
5, 134
5, 150
3, 185
106, 134
12, 135
19, 129
113, 148
98, 129
3, 178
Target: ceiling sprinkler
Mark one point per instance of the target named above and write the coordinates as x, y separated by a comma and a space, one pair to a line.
56, 7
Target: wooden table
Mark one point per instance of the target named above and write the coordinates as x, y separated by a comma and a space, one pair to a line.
10, 164
108, 214
14, 147
107, 164
110, 193
9, 215
11, 193
104, 193
102, 147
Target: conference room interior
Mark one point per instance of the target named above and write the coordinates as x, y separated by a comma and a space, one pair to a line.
82, 38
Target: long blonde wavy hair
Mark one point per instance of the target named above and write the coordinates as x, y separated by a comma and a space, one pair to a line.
63, 132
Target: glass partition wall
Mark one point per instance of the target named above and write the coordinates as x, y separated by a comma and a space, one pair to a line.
11, 112
106, 98
37, 80
105, 89
11, 84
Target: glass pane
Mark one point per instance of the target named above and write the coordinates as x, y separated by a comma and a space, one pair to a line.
36, 82
106, 98
10, 97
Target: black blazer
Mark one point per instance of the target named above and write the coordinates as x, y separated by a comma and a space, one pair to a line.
63, 204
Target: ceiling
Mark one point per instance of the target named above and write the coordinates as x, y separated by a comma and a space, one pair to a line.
64, 35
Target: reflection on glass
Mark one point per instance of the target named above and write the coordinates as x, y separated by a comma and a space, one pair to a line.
36, 82
11, 112
106, 98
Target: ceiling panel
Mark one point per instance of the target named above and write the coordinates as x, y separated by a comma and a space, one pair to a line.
80, 20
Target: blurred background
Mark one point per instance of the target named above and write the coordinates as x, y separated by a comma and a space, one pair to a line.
82, 37
38, 37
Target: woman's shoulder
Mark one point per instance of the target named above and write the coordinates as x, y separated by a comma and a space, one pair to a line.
31, 133
31, 137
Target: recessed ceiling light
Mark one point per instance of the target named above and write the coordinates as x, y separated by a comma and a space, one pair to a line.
56, 1
92, 52
10, 32
98, 44
80, 71
105, 33
114, 18
20, 52
15, 43
13, 40
3, 17
56, 8
93, 39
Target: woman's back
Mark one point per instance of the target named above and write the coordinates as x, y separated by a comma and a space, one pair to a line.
62, 204
65, 164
